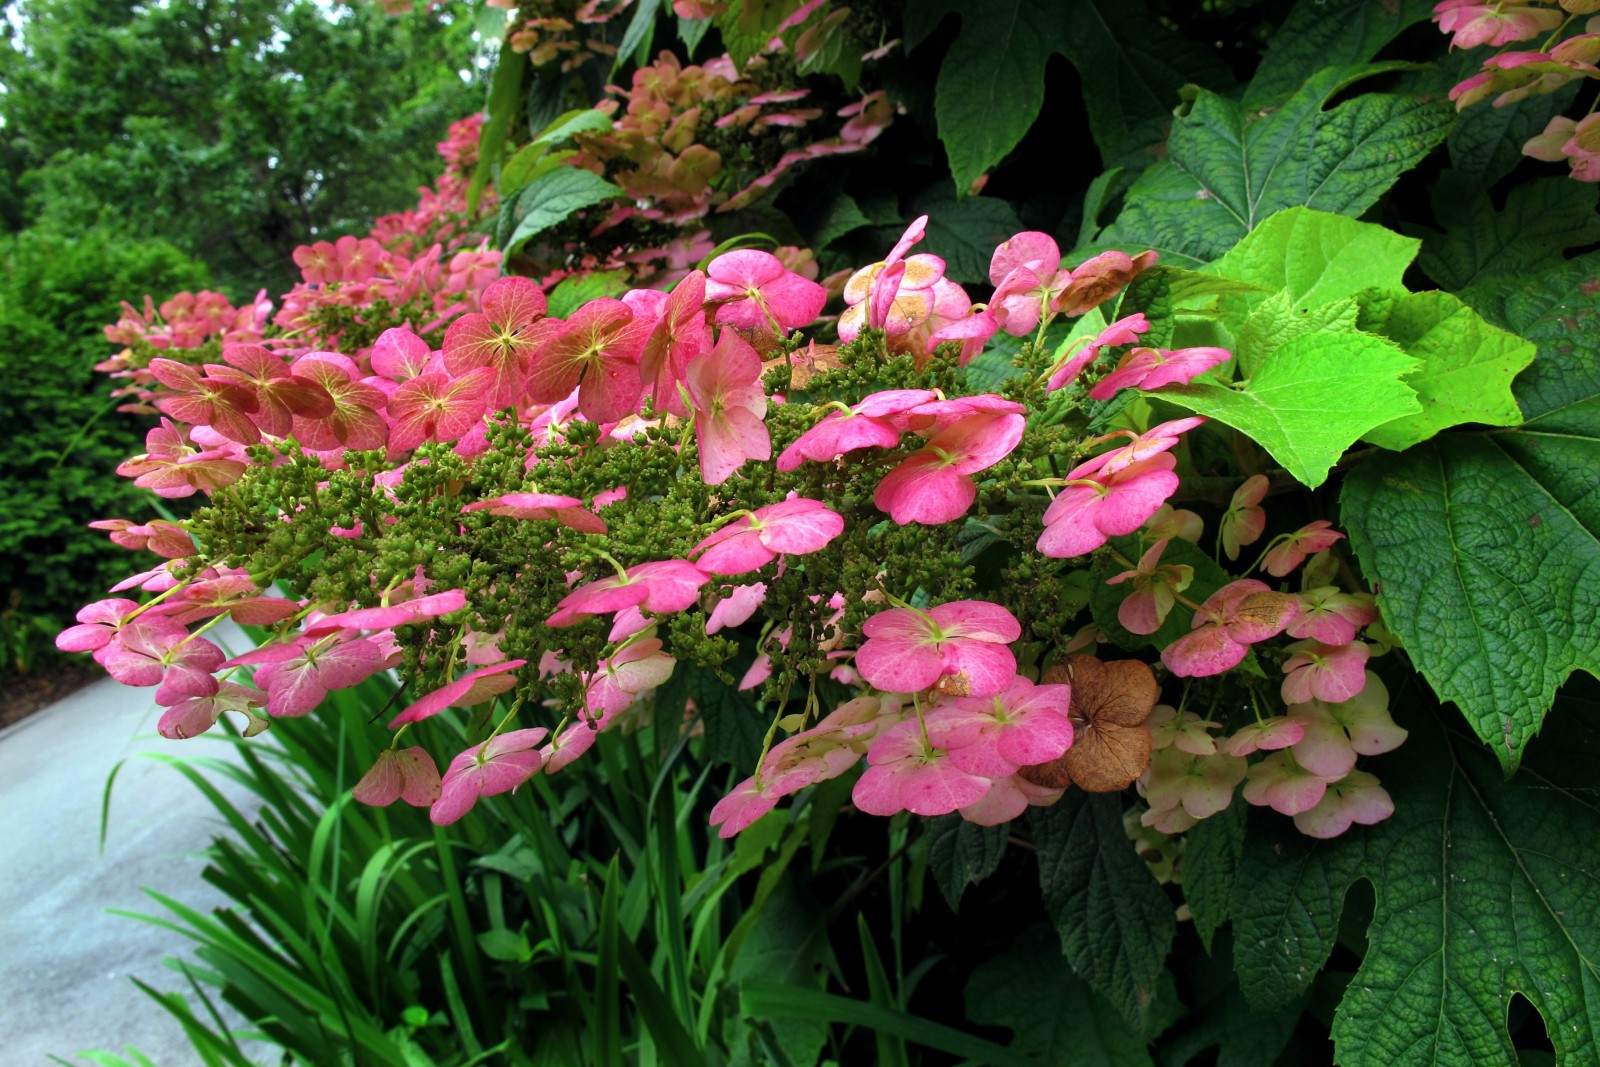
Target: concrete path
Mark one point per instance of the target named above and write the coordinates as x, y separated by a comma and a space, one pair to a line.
64, 962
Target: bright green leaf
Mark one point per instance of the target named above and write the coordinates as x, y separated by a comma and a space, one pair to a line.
1116, 924
1275, 321
962, 853
531, 163
573, 292
1318, 257
1467, 365
1229, 168
553, 199
1311, 399
1057, 1019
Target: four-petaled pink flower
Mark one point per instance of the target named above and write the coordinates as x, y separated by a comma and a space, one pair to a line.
992, 736
729, 404
498, 765
906, 774
792, 527
1155, 586
298, 676
502, 337
407, 774
596, 353
471, 688
1231, 620
1331, 616
753, 290
1473, 22
436, 407
1330, 673
1151, 368
661, 588
876, 422
934, 484
567, 510
908, 650
1355, 798
1096, 506
193, 716
1125, 331
1334, 734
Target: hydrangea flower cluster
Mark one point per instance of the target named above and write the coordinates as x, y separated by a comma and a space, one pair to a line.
1515, 75
546, 519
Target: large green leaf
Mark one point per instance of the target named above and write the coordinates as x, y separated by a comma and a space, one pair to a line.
1317, 257
991, 84
1311, 399
1484, 888
1229, 167
1116, 924
553, 198
1058, 1021
1211, 853
1485, 548
1467, 364
1324, 33
1483, 252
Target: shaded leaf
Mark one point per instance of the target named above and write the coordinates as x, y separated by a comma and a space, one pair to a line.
553, 198
961, 853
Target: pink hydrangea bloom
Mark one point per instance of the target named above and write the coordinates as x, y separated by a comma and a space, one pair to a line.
1227, 624
1155, 585
1152, 368
1334, 734
876, 422
1266, 735
908, 650
679, 335
905, 774
737, 607
1331, 616
1282, 784
660, 588
435, 407
1355, 798
730, 403
1095, 506
498, 765
98, 624
1201, 785
637, 668
753, 290
407, 774
1290, 550
1125, 331
992, 736
298, 676
193, 716
1244, 520
1329, 673
797, 526
474, 687
934, 485
567, 510
1474, 23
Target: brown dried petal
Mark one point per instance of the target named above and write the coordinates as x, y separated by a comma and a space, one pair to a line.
1110, 745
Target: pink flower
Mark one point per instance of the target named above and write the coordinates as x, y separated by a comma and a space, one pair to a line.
907, 775
1290, 550
567, 510
1355, 798
407, 774
1334, 734
1096, 506
281, 394
895, 297
166, 539
434, 407
503, 337
225, 406
596, 353
933, 485
1125, 331
1331, 616
729, 402
391, 615
193, 716
1330, 673
908, 650
1232, 619
1184, 731
1283, 785
793, 527
1152, 368
753, 290
298, 676
1154, 588
1244, 520
1201, 785
993, 736
677, 338
471, 688
400, 354
498, 765
876, 422
660, 588
638, 667
737, 607
1266, 735
354, 418
1027, 275
1474, 23
98, 624
171, 468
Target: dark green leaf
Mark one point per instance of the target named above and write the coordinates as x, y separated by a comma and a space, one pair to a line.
553, 198
1229, 167
961, 853
1211, 854
1057, 1019
1115, 922
965, 233
1325, 33
734, 725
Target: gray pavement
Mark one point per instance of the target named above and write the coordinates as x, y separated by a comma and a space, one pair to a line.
64, 962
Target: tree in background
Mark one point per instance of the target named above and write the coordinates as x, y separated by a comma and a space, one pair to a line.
232, 130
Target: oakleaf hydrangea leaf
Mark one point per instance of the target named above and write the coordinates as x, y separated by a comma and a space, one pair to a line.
1317, 257
1211, 854
1229, 167
552, 199
1466, 364
1311, 399
962, 853
1485, 549
1276, 321
1321, 33
1116, 924
1058, 1021
1483, 887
